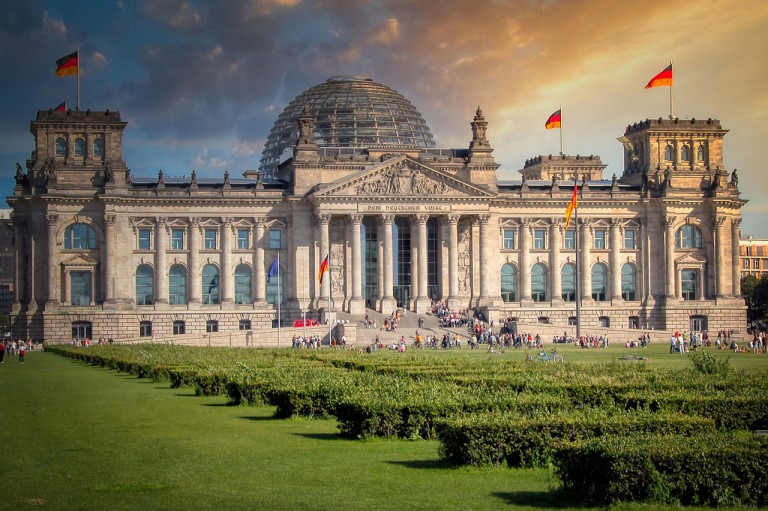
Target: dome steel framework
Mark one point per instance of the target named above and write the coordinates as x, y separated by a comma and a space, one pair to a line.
349, 111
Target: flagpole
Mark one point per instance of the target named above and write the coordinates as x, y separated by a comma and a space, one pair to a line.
671, 100
328, 313
561, 131
578, 273
279, 298
78, 78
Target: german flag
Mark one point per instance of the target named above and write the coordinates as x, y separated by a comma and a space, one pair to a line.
553, 121
62, 107
67, 65
662, 79
323, 269
572, 206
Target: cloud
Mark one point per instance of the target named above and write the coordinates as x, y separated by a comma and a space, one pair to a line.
385, 33
177, 14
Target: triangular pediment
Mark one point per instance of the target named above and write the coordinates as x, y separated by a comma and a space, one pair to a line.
691, 258
402, 176
79, 260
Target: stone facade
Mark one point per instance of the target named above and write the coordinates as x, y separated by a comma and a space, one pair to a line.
753, 257
101, 253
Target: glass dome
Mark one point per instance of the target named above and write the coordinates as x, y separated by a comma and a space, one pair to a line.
349, 111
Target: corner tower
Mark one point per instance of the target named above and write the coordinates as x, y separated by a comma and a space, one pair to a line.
688, 153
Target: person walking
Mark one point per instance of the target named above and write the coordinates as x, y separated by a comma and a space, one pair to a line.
22, 349
2, 352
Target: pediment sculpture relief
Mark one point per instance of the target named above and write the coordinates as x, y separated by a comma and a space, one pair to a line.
402, 180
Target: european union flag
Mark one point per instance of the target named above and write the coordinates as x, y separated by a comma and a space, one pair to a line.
274, 269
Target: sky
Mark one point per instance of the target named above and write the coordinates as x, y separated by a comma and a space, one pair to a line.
200, 83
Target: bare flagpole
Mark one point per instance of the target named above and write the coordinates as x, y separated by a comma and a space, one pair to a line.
578, 273
279, 298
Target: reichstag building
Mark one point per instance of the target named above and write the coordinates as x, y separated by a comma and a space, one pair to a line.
350, 170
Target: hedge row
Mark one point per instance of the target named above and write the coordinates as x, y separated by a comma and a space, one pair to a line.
508, 439
705, 470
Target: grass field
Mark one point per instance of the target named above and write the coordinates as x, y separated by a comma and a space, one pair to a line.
80, 437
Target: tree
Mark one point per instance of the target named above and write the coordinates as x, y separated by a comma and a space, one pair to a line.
755, 293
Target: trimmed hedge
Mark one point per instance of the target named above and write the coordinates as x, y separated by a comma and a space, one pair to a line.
704, 470
507, 439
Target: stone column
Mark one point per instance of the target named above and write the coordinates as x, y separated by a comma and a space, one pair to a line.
486, 271
615, 270
555, 247
324, 221
388, 302
669, 258
379, 263
161, 261
53, 258
259, 269
415, 262
109, 269
19, 275
226, 275
195, 285
453, 260
524, 279
66, 286
423, 303
585, 242
735, 272
719, 259
357, 304
702, 294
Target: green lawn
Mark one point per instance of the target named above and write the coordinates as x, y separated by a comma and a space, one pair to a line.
81, 437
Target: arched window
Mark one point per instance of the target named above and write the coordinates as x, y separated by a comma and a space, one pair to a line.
599, 282
700, 153
688, 236
629, 283
275, 287
79, 237
243, 284
569, 282
508, 283
98, 147
210, 284
61, 147
685, 153
145, 289
539, 283
669, 153
177, 285
79, 147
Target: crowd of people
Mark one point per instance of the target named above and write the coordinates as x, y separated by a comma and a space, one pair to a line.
18, 348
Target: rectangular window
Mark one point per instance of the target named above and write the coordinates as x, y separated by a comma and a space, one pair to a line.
540, 239
599, 239
630, 242
509, 239
243, 239
80, 288
145, 329
275, 239
245, 324
745, 262
210, 239
177, 239
749, 251
179, 328
756, 264
145, 237
211, 326
570, 239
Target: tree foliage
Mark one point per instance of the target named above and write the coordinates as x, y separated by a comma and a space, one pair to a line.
755, 293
